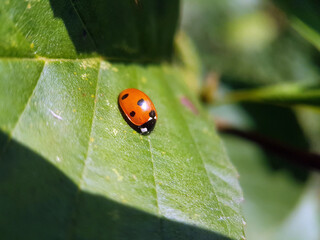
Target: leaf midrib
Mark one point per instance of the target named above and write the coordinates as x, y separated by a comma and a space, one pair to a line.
70, 230
155, 184
155, 187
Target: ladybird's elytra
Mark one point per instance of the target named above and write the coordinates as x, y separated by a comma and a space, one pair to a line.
138, 109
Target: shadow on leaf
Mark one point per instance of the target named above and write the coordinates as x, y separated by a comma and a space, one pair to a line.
38, 201
138, 30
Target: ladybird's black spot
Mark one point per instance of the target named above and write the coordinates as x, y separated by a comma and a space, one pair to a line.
152, 113
148, 125
132, 113
125, 96
125, 117
140, 102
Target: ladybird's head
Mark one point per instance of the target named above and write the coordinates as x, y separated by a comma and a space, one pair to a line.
148, 127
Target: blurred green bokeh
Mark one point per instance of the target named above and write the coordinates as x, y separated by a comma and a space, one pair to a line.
250, 40
249, 44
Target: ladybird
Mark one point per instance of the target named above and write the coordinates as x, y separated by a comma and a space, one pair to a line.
138, 110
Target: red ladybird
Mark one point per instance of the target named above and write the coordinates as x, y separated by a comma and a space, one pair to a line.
138, 109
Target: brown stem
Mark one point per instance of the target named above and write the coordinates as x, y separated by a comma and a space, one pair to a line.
304, 158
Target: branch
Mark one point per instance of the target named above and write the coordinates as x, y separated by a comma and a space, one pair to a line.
304, 158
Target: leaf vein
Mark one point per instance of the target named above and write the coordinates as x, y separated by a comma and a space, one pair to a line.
23, 110
204, 165
155, 188
153, 173
85, 161
201, 157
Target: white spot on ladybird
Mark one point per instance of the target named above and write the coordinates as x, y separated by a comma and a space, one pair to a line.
144, 130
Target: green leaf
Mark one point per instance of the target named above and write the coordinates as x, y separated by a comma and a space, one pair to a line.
279, 94
308, 33
304, 18
281, 201
121, 30
304, 100
69, 141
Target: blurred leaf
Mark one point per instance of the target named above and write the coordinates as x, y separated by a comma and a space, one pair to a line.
284, 94
304, 17
310, 119
251, 32
303, 99
248, 42
187, 57
281, 202
271, 122
275, 206
123, 30
307, 32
